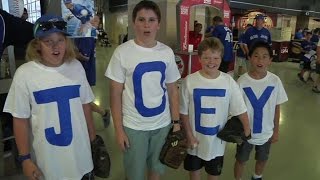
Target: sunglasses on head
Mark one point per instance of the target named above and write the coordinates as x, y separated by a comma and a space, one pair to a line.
46, 26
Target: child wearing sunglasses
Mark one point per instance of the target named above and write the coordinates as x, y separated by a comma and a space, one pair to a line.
49, 101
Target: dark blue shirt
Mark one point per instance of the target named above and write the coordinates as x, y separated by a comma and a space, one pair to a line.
253, 34
225, 35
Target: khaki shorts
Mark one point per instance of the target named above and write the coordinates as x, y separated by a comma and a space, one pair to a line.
144, 152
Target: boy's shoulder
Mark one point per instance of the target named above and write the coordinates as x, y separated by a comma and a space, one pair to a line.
245, 78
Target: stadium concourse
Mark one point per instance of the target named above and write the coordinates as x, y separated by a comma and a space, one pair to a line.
296, 155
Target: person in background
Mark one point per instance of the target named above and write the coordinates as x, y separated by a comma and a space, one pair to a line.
298, 34
195, 36
263, 94
307, 49
86, 53
223, 33
25, 14
49, 99
315, 36
144, 95
241, 61
257, 33
208, 97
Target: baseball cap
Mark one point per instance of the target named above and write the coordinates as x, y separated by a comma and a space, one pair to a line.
67, 1
48, 24
260, 16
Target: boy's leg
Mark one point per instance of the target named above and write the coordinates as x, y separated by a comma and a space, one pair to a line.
156, 141
135, 157
214, 168
193, 164
262, 156
242, 156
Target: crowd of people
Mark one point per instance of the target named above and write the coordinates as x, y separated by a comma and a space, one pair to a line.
51, 99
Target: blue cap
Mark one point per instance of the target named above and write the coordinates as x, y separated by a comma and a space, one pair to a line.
39, 30
260, 16
67, 1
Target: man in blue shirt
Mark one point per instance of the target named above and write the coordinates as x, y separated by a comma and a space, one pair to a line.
257, 33
223, 33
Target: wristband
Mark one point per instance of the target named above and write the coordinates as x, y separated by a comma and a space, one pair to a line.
22, 158
176, 121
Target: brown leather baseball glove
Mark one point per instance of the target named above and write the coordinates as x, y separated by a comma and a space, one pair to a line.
174, 150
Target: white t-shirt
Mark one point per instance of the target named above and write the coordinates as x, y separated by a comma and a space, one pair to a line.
144, 72
208, 102
261, 97
51, 98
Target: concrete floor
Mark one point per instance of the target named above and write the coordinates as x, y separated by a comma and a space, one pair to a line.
296, 156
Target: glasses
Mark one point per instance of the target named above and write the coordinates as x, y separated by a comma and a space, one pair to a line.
46, 26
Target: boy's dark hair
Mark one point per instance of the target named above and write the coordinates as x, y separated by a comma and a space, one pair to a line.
146, 4
211, 43
217, 19
260, 44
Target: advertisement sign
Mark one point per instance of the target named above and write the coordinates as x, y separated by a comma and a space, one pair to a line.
183, 17
79, 15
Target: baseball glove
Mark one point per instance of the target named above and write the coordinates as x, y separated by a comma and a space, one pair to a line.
233, 131
174, 150
100, 157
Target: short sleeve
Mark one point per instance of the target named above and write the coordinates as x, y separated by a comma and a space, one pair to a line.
172, 72
18, 102
86, 94
115, 70
184, 98
282, 95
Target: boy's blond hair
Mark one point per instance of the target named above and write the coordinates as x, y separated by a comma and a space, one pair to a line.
33, 52
212, 43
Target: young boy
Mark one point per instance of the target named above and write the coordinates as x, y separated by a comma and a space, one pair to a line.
263, 93
144, 95
207, 98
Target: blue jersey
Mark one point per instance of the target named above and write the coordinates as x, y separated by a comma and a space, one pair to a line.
225, 35
240, 53
253, 34
76, 11
86, 47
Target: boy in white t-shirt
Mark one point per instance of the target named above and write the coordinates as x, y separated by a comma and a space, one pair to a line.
144, 95
207, 98
263, 93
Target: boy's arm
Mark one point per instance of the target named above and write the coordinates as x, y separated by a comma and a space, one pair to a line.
116, 90
21, 133
245, 122
89, 120
192, 141
174, 103
275, 136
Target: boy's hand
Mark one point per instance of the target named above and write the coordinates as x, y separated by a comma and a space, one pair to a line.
176, 127
275, 137
31, 170
122, 140
192, 142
